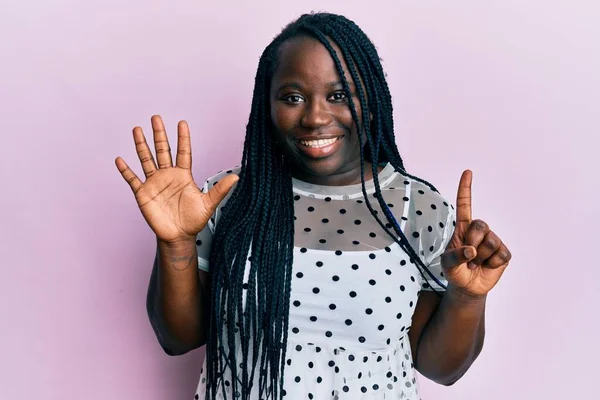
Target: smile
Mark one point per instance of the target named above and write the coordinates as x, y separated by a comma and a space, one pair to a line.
320, 148
319, 143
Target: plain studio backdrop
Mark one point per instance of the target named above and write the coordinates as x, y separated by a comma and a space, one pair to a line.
509, 89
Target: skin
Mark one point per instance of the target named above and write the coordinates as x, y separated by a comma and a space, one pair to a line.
176, 210
308, 101
446, 335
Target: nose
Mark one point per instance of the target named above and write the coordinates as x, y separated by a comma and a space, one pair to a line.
316, 115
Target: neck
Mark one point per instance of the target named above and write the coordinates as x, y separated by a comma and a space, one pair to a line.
342, 178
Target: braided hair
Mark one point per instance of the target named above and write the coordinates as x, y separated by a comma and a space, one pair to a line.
258, 219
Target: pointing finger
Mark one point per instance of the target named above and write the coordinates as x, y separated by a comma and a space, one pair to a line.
463, 202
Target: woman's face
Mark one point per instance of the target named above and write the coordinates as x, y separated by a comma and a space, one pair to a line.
309, 110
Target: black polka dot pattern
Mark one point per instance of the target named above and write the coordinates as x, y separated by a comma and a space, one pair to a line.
353, 287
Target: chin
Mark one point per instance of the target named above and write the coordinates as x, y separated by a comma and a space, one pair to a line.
322, 167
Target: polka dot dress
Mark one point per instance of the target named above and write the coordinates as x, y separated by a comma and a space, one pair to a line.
354, 290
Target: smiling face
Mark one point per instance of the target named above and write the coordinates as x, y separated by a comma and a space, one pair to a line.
311, 117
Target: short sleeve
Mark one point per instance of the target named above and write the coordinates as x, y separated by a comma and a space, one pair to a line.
433, 262
205, 236
203, 245
431, 225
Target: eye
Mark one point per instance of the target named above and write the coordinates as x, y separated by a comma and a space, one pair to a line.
338, 96
293, 98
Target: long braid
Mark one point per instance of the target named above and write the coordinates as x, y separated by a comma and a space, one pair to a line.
373, 144
355, 56
259, 216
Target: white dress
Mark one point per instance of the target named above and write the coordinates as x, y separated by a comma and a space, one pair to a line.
354, 290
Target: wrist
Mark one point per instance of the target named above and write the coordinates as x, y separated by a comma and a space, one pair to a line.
464, 296
178, 256
178, 245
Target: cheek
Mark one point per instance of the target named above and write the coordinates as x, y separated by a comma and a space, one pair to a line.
344, 116
283, 118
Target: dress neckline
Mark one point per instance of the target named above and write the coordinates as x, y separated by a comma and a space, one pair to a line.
385, 176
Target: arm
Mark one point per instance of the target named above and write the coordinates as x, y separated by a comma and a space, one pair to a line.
447, 334
178, 296
176, 210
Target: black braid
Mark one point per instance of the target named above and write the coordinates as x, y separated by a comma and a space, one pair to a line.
353, 55
347, 50
259, 216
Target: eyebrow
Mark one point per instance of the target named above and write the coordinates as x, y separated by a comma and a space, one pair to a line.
339, 83
334, 84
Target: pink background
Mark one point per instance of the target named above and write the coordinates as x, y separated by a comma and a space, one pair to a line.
509, 89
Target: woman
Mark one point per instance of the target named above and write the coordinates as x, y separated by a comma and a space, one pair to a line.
320, 268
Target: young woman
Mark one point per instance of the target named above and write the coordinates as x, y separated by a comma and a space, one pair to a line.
320, 268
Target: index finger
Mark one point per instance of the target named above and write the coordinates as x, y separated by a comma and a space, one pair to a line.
463, 199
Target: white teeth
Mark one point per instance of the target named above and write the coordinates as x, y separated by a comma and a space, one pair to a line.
319, 143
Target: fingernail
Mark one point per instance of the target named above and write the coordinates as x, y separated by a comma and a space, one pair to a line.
469, 252
472, 265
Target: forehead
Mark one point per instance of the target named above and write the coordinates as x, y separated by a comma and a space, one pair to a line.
307, 58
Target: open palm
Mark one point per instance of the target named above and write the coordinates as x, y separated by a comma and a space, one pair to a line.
170, 201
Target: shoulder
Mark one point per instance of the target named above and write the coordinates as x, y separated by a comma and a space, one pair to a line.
421, 195
430, 217
427, 199
429, 206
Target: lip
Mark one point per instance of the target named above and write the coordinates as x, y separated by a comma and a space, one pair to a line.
319, 152
307, 138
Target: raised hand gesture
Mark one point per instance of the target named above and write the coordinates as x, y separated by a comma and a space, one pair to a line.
475, 258
169, 199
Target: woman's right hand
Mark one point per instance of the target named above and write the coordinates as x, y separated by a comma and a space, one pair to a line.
169, 199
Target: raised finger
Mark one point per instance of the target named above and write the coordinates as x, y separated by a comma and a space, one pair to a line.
500, 257
161, 143
463, 202
487, 247
130, 177
143, 152
184, 146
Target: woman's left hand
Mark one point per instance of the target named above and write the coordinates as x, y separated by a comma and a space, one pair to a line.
475, 258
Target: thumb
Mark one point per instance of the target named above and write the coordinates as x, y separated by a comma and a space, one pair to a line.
454, 257
218, 192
